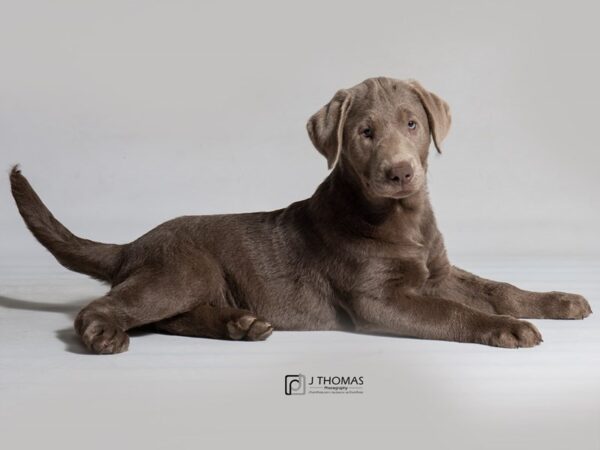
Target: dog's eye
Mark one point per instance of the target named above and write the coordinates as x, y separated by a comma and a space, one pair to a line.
412, 124
367, 132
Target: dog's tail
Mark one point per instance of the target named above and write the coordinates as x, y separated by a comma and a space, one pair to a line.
96, 259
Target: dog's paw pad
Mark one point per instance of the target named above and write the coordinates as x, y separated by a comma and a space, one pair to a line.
250, 328
104, 338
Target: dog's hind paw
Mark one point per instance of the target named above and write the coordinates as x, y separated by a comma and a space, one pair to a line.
249, 328
104, 338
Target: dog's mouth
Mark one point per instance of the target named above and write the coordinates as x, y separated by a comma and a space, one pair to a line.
403, 193
394, 191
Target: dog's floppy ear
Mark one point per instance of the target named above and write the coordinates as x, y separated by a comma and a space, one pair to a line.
438, 113
326, 126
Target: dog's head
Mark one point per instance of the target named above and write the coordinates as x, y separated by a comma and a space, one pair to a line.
380, 130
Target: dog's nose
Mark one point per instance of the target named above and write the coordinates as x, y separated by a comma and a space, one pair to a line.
401, 173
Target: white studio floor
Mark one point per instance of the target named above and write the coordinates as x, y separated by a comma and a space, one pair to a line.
177, 392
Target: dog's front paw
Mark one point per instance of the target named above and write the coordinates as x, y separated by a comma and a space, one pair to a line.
250, 328
104, 338
507, 332
560, 305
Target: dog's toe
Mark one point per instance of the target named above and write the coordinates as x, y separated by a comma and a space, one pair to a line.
259, 331
250, 328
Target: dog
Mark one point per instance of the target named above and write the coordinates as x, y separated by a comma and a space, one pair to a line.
362, 254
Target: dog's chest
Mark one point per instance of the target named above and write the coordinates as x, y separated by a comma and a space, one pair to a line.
406, 271
391, 265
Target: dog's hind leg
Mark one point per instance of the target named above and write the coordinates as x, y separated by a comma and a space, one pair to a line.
218, 323
145, 297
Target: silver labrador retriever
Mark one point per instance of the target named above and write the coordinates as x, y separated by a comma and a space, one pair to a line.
363, 253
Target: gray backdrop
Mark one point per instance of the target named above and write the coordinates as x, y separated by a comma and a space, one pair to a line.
125, 114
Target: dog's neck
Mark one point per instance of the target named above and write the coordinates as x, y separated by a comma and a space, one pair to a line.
341, 200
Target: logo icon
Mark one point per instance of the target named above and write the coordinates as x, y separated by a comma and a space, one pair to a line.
295, 384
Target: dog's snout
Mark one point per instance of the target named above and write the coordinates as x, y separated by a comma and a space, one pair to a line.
401, 173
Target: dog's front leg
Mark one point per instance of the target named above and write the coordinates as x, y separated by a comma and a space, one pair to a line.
437, 318
503, 298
